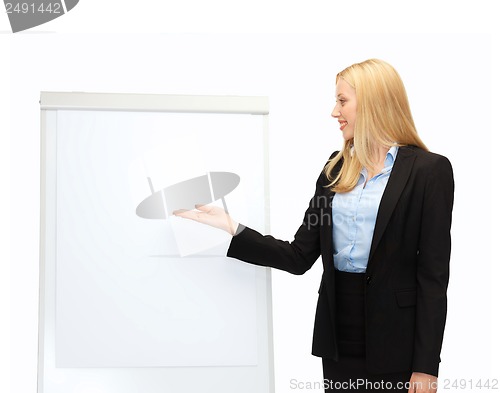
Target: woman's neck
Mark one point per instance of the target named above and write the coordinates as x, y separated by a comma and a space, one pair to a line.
380, 153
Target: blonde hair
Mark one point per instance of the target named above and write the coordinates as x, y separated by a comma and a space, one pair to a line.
383, 118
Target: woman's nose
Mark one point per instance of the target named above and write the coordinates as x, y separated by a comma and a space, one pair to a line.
335, 111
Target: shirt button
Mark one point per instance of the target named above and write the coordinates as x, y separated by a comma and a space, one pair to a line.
368, 279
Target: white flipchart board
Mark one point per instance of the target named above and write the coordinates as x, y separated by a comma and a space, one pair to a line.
150, 304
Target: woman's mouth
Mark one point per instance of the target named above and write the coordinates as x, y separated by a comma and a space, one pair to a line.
343, 124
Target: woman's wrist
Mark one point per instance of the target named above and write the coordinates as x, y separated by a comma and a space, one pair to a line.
237, 228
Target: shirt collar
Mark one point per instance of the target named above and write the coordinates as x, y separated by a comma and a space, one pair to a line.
391, 156
388, 163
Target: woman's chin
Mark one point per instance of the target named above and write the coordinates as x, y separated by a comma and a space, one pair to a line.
347, 135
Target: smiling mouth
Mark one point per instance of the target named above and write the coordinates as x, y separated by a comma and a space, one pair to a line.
343, 124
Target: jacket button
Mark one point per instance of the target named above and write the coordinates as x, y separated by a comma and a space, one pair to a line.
368, 279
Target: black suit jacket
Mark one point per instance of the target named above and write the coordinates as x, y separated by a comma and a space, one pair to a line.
408, 267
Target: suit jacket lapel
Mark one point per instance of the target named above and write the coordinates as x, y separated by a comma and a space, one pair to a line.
328, 234
397, 181
327, 227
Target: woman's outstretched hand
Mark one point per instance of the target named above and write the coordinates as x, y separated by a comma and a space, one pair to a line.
211, 215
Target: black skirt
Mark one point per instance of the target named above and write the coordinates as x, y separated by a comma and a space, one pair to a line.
349, 373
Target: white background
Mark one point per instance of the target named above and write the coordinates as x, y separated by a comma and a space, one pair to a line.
290, 52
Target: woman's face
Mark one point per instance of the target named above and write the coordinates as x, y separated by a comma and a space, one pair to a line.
345, 108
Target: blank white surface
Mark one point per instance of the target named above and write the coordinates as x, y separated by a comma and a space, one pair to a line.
125, 298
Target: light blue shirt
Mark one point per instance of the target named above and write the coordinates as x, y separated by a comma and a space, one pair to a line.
354, 214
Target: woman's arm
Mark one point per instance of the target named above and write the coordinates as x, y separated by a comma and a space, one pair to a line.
295, 257
433, 266
250, 246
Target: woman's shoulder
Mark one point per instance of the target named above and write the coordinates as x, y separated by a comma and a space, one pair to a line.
425, 156
323, 178
334, 154
427, 160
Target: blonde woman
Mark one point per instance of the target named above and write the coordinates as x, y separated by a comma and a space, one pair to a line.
380, 218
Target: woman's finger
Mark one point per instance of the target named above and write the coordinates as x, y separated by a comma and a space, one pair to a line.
184, 213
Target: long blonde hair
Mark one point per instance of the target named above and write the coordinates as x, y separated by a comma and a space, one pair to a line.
383, 118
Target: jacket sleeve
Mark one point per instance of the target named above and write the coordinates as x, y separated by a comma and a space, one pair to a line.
433, 261
296, 257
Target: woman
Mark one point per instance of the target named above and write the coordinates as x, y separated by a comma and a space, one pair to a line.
380, 219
